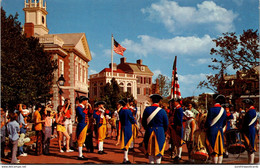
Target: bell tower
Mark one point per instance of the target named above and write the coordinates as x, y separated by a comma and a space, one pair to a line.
35, 13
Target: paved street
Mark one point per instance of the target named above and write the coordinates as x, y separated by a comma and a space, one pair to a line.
114, 156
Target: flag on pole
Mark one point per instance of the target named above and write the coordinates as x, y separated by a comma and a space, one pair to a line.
118, 48
175, 87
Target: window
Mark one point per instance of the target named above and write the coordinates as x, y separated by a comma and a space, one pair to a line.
138, 79
141, 80
85, 74
144, 91
95, 89
121, 87
138, 90
142, 68
129, 88
76, 71
147, 91
150, 80
81, 73
61, 67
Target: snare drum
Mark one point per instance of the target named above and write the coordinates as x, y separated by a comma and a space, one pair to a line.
199, 151
234, 141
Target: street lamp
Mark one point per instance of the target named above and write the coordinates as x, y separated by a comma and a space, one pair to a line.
60, 82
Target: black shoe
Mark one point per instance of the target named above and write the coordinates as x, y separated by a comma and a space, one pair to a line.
103, 152
176, 159
82, 158
126, 162
100, 152
225, 155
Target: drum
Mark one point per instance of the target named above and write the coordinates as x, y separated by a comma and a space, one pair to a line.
199, 151
234, 141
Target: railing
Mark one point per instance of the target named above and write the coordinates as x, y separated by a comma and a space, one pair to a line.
108, 74
51, 39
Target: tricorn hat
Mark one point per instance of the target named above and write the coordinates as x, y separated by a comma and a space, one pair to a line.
176, 100
219, 98
156, 98
100, 102
248, 101
122, 102
82, 98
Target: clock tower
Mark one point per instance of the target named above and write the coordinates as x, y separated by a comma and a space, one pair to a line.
35, 13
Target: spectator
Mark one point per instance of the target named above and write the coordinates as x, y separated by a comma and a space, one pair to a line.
47, 133
60, 119
13, 129
3, 132
38, 128
67, 122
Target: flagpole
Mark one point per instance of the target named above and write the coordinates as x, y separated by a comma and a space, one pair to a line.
112, 46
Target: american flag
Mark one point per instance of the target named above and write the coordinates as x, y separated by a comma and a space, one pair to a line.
175, 87
118, 48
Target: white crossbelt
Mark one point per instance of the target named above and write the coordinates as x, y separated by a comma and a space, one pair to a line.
218, 117
252, 121
151, 116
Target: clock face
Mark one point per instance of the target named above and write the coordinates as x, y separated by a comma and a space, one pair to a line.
43, 19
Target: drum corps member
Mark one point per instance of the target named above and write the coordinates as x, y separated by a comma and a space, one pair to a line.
178, 127
82, 114
100, 117
248, 129
126, 121
155, 123
215, 121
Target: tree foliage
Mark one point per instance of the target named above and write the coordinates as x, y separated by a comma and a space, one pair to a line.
26, 70
240, 53
164, 85
111, 94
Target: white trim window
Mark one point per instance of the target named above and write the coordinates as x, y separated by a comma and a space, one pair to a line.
85, 75
76, 71
61, 67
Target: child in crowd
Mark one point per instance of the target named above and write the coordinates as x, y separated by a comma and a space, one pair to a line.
13, 129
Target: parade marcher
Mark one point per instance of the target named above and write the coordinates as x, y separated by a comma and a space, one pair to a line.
178, 127
155, 123
118, 125
126, 121
227, 127
216, 120
89, 138
82, 117
100, 118
13, 129
68, 122
190, 126
38, 128
248, 129
133, 109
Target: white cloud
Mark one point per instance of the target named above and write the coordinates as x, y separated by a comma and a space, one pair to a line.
156, 73
91, 71
178, 45
201, 61
93, 54
238, 2
176, 18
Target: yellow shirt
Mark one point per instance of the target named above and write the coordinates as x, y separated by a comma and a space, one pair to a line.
37, 115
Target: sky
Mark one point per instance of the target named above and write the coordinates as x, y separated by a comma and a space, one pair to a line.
152, 30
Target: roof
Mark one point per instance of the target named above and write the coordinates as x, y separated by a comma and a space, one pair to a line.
109, 70
70, 38
134, 68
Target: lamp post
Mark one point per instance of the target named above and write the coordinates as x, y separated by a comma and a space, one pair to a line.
60, 82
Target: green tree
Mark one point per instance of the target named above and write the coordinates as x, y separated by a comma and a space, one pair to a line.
164, 85
111, 94
26, 70
241, 53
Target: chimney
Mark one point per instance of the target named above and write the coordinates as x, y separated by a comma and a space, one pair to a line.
139, 62
114, 66
123, 60
28, 29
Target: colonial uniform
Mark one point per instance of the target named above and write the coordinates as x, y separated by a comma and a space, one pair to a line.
101, 127
82, 126
248, 129
178, 126
215, 121
126, 121
154, 138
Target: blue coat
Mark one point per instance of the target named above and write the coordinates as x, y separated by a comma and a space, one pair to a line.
215, 137
178, 121
249, 131
156, 128
126, 121
82, 115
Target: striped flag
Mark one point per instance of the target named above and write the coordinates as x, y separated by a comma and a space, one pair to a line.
175, 87
118, 48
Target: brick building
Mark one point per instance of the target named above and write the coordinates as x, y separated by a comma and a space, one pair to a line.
70, 50
134, 78
240, 86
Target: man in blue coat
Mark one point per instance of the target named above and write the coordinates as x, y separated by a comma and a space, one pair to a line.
82, 114
155, 123
248, 129
216, 120
126, 122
